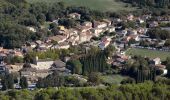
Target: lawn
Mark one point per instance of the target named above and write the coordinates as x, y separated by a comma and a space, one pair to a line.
113, 79
148, 53
101, 5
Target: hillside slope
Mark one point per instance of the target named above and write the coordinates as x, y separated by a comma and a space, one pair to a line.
102, 5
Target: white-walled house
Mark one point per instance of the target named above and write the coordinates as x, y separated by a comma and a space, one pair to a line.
133, 32
135, 37
111, 29
86, 36
96, 31
88, 24
97, 24
58, 38
73, 32
162, 67
153, 24
156, 61
81, 29
104, 42
139, 20
33, 45
42, 64
123, 32
130, 17
63, 45
75, 15
73, 39
32, 29
109, 22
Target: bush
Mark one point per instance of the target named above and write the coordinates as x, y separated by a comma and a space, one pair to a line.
128, 81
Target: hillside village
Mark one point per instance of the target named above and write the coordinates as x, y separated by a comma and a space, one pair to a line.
100, 34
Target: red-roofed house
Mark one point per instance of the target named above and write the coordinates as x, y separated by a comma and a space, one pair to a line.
104, 42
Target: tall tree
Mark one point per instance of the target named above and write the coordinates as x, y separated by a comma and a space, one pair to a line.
7, 82
75, 66
23, 82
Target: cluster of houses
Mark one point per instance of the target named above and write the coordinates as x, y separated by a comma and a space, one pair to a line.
81, 33
39, 69
139, 33
118, 61
75, 36
6, 52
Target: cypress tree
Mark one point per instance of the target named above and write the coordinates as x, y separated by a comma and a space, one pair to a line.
7, 82
23, 82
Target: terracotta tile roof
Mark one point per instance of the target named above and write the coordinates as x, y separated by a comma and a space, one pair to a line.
57, 37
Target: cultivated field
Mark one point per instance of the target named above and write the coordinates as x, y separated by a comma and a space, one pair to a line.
148, 53
102, 5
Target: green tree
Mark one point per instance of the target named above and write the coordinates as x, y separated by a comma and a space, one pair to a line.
52, 80
41, 18
53, 25
16, 59
42, 96
23, 82
69, 23
109, 51
168, 66
94, 78
75, 66
7, 82
167, 43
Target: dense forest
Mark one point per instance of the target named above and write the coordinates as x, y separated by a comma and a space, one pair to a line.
142, 91
17, 15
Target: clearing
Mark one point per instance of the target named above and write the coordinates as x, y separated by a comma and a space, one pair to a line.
148, 53
101, 5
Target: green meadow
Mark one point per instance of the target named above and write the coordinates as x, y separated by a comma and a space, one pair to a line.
101, 5
148, 53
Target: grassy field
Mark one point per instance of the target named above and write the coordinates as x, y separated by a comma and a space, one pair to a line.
148, 53
102, 5
113, 79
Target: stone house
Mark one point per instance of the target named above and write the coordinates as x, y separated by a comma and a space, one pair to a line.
74, 16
